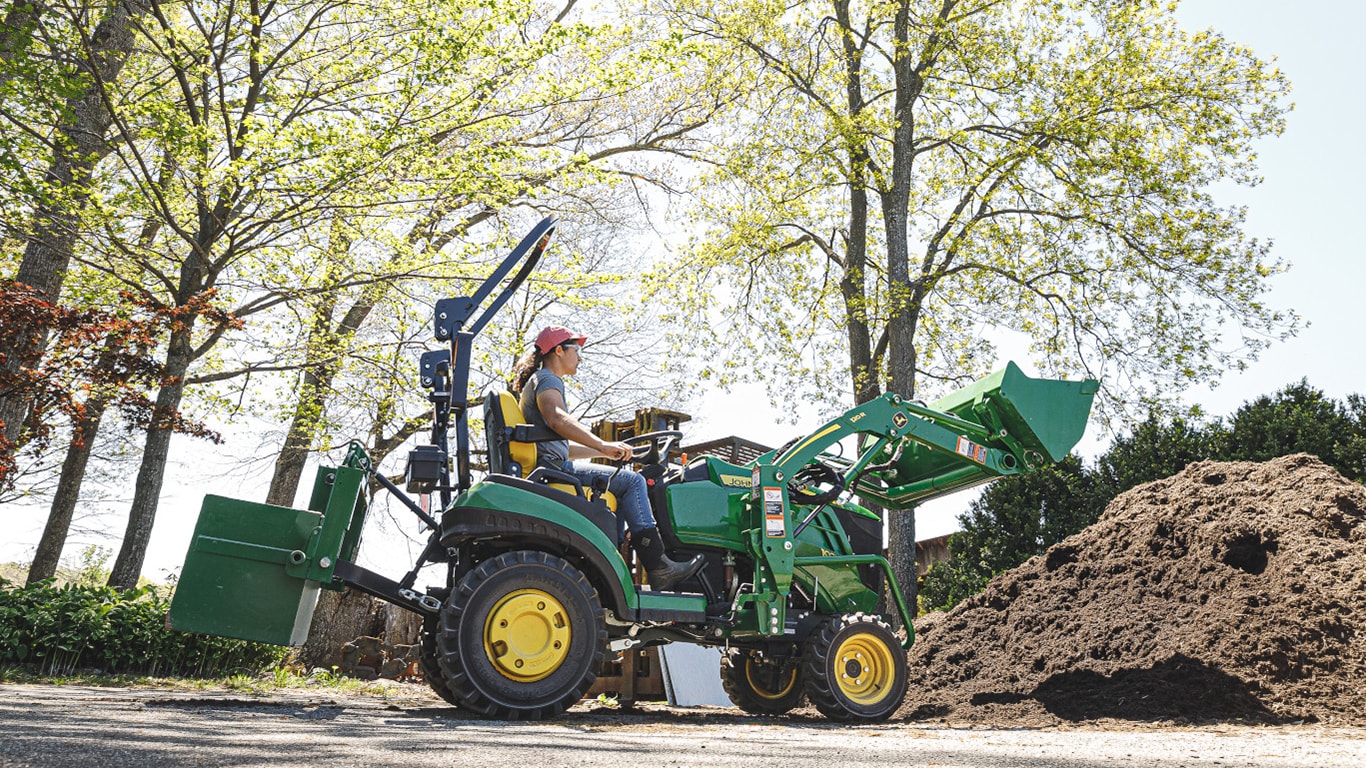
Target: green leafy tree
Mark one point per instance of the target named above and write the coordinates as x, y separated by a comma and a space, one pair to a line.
1013, 520
572, 129
1300, 419
270, 173
913, 175
1157, 448
243, 126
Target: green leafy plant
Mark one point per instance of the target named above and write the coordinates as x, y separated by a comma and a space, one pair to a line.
58, 630
92, 571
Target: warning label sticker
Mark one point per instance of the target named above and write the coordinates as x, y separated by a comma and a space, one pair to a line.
977, 453
775, 524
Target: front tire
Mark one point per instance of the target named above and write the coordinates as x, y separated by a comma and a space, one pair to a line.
855, 669
760, 685
521, 636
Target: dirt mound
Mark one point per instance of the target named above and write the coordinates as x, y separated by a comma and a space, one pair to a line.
1231, 591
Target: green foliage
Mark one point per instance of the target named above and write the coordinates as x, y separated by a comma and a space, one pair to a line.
942, 168
1300, 419
1156, 448
92, 572
61, 629
1013, 520
326, 175
1019, 517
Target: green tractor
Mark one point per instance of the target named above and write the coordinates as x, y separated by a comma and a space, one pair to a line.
537, 591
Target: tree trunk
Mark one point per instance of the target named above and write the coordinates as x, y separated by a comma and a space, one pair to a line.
401, 626
80, 145
339, 618
68, 492
863, 367
327, 343
904, 310
303, 428
901, 359
312, 399
152, 472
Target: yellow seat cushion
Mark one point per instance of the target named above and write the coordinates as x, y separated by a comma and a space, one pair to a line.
607, 496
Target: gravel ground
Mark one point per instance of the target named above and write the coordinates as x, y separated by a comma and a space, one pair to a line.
116, 727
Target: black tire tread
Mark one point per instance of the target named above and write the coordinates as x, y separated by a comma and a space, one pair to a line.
430, 662
459, 681
737, 686
824, 693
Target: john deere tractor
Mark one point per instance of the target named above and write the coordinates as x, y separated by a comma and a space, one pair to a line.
536, 589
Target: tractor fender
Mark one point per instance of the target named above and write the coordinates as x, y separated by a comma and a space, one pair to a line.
502, 530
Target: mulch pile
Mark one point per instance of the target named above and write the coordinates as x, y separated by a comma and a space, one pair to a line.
1231, 591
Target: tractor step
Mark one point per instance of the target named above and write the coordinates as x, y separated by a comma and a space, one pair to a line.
670, 606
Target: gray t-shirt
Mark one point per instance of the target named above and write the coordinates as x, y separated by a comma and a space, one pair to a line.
553, 453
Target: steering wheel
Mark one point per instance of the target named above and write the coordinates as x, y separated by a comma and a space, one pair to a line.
653, 447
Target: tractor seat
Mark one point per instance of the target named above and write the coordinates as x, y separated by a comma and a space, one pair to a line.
502, 415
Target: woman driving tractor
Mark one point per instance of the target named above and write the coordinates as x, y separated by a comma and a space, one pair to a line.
539, 381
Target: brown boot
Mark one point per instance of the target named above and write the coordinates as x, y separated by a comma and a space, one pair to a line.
663, 573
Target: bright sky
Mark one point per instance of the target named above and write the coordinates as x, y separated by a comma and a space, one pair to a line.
1307, 206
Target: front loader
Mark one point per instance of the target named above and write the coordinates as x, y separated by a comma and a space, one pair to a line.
537, 587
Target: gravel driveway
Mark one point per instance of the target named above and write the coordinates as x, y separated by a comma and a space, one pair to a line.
116, 727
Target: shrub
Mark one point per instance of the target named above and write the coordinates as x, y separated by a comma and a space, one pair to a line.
80, 626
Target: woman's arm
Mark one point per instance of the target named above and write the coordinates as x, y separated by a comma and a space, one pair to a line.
585, 443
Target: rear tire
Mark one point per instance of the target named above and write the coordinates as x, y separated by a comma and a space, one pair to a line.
430, 659
521, 636
855, 669
760, 685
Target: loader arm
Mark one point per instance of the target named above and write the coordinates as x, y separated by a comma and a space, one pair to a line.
1005, 424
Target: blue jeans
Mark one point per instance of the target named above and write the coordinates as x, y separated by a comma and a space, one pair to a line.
633, 500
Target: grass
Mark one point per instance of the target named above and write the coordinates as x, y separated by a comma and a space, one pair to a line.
277, 679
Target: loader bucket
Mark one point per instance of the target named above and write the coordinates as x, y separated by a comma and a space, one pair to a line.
253, 570
1033, 421
1044, 415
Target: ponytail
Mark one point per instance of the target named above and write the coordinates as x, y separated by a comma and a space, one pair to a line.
521, 372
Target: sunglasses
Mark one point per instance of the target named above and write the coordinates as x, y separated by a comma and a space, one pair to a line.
574, 347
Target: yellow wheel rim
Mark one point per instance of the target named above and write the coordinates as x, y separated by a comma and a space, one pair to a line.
761, 687
865, 669
526, 636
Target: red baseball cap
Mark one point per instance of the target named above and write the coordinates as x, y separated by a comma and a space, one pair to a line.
555, 335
